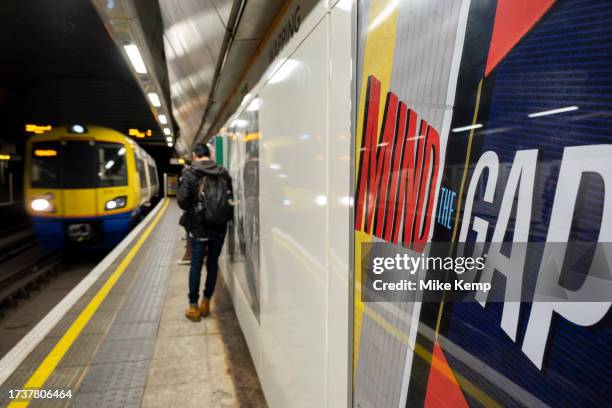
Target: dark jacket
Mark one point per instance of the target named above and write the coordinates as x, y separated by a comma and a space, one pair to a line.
187, 192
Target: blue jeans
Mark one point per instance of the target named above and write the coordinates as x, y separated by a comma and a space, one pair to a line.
210, 248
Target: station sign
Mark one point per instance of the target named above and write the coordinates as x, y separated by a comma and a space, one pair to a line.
140, 134
37, 129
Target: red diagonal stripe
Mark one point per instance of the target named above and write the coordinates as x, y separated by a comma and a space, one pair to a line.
513, 19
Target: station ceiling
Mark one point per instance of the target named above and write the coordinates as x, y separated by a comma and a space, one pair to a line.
59, 65
208, 45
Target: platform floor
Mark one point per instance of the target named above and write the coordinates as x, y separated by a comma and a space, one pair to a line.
135, 348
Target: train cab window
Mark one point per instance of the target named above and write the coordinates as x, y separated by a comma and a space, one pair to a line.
78, 164
112, 170
65, 164
45, 165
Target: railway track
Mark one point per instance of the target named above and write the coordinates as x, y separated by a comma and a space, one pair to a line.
22, 264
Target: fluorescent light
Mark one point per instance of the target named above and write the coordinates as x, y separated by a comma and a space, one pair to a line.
286, 202
464, 128
275, 166
154, 99
167, 131
169, 139
109, 164
121, 151
169, 144
553, 111
163, 119
135, 58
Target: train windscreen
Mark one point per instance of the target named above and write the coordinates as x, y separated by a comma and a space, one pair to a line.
45, 165
112, 170
78, 165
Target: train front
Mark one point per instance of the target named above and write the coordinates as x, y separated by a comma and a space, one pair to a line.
78, 187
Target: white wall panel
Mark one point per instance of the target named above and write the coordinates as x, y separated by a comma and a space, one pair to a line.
339, 192
300, 345
294, 227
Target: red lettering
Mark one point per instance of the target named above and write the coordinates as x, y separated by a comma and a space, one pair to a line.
367, 161
385, 152
414, 169
397, 175
400, 134
408, 141
432, 152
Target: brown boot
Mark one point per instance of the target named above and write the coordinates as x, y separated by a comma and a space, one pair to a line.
204, 307
186, 259
193, 313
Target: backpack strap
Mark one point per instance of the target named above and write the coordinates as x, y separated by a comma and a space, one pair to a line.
201, 183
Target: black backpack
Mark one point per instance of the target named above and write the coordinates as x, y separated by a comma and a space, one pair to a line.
211, 204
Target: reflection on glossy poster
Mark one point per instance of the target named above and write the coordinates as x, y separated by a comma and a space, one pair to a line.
243, 233
486, 121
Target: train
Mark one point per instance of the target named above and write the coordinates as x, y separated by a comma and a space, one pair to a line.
86, 186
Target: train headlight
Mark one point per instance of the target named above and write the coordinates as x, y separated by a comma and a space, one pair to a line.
116, 203
76, 128
42, 205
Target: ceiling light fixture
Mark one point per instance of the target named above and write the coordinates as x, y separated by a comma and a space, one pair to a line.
154, 99
135, 58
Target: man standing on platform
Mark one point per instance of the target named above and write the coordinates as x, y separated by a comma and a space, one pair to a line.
206, 196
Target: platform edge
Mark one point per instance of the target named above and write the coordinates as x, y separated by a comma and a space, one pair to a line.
13, 359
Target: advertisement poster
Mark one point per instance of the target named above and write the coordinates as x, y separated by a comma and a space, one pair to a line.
485, 122
243, 231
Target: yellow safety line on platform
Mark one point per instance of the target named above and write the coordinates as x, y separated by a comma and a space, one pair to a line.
46, 368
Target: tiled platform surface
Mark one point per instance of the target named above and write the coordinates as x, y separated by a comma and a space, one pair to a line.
139, 350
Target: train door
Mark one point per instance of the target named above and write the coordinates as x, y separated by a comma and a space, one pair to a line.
142, 175
79, 180
112, 177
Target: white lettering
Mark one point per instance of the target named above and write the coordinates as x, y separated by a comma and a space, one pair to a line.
577, 309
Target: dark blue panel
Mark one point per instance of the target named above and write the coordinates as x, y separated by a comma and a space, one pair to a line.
566, 60
50, 232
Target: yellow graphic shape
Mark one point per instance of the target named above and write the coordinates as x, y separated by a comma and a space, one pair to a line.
378, 61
